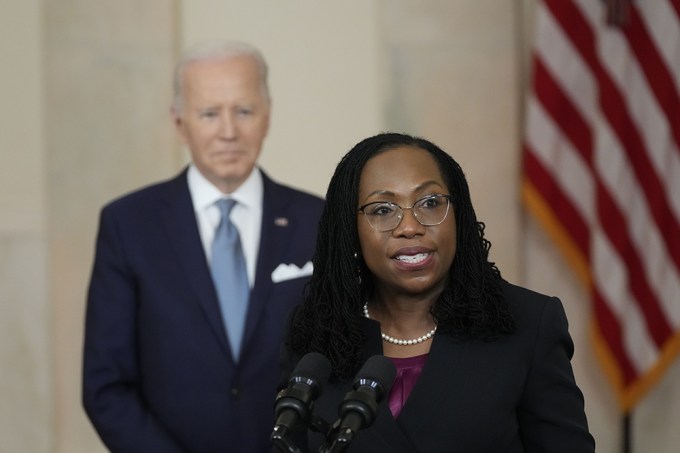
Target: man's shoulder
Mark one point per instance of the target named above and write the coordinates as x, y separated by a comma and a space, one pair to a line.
290, 193
149, 195
299, 194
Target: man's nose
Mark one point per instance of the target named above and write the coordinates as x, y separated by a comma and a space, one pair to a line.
228, 128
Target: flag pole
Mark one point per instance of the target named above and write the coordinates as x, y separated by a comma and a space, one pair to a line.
627, 448
618, 15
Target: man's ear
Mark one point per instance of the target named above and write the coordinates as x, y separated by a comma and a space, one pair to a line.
178, 122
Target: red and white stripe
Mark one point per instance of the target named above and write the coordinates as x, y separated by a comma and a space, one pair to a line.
602, 173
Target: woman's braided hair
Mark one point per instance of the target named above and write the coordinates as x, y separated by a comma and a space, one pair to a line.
329, 320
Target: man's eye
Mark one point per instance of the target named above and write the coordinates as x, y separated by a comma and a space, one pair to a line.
208, 114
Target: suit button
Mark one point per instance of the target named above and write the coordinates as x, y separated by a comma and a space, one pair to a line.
234, 392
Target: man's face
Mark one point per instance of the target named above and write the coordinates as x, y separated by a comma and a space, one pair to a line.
224, 118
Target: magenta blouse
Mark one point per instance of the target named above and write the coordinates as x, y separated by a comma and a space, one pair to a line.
408, 372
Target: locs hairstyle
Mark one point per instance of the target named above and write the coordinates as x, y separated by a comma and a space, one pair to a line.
329, 320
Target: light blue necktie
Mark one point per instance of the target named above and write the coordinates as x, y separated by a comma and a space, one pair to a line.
229, 274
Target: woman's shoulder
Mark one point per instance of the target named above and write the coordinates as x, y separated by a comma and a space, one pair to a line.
513, 291
531, 307
524, 297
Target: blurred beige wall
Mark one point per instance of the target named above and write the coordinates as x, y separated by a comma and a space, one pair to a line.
106, 69
25, 331
325, 75
86, 90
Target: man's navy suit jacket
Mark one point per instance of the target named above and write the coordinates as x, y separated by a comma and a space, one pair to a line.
158, 375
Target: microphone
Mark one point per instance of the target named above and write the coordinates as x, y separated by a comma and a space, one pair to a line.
360, 406
293, 404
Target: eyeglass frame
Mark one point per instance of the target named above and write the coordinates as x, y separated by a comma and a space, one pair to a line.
449, 200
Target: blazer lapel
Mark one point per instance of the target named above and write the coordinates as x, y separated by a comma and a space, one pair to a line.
271, 249
182, 227
387, 434
441, 369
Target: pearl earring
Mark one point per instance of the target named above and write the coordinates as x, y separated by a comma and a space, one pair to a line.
358, 267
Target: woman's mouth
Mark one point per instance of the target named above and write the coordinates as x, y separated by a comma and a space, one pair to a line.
412, 259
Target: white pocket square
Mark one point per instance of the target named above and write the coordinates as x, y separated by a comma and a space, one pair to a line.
285, 272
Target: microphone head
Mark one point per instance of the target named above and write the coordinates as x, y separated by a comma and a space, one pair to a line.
378, 372
313, 369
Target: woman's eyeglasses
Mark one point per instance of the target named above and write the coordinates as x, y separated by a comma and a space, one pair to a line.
385, 216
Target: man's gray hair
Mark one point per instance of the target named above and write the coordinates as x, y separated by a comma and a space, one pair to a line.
216, 50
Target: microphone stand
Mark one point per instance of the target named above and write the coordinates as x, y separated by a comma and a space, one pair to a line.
333, 444
357, 411
282, 442
337, 446
281, 439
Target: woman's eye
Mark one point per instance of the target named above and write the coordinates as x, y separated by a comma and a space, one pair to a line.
429, 202
382, 209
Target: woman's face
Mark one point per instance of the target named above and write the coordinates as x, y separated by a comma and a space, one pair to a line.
411, 259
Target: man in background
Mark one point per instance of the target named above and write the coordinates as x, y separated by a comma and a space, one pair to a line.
193, 277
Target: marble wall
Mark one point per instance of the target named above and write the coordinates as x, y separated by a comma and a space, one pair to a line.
326, 75
453, 74
25, 329
107, 131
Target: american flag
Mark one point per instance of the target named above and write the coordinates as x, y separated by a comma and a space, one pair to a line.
602, 171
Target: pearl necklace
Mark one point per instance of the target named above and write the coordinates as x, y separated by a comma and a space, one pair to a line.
396, 341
